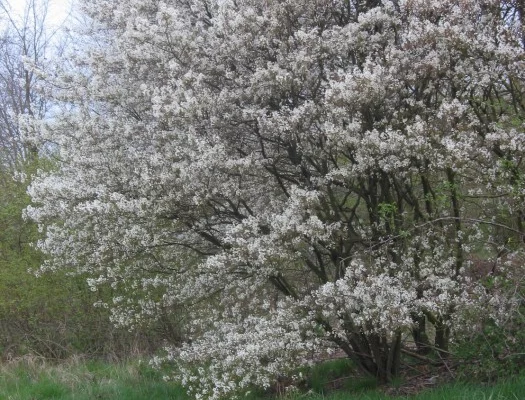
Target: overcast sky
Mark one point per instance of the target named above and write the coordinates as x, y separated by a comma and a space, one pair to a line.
58, 10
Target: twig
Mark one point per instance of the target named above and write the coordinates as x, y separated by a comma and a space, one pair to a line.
446, 366
420, 357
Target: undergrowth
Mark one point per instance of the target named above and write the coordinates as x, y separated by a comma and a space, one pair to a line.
34, 379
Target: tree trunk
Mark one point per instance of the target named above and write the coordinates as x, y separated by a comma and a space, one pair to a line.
442, 338
420, 335
375, 355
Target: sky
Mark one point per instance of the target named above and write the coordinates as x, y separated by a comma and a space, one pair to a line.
57, 13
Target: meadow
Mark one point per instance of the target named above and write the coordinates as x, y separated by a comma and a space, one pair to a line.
30, 378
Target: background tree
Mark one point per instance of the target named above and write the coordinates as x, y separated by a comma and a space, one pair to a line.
25, 39
52, 316
297, 174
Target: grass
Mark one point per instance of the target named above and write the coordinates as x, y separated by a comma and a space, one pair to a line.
30, 379
510, 389
334, 374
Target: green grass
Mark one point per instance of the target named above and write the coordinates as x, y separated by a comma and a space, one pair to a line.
337, 374
30, 379
511, 389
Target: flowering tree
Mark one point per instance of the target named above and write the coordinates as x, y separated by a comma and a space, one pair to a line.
297, 174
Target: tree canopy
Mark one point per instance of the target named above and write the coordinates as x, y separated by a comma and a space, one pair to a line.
298, 174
